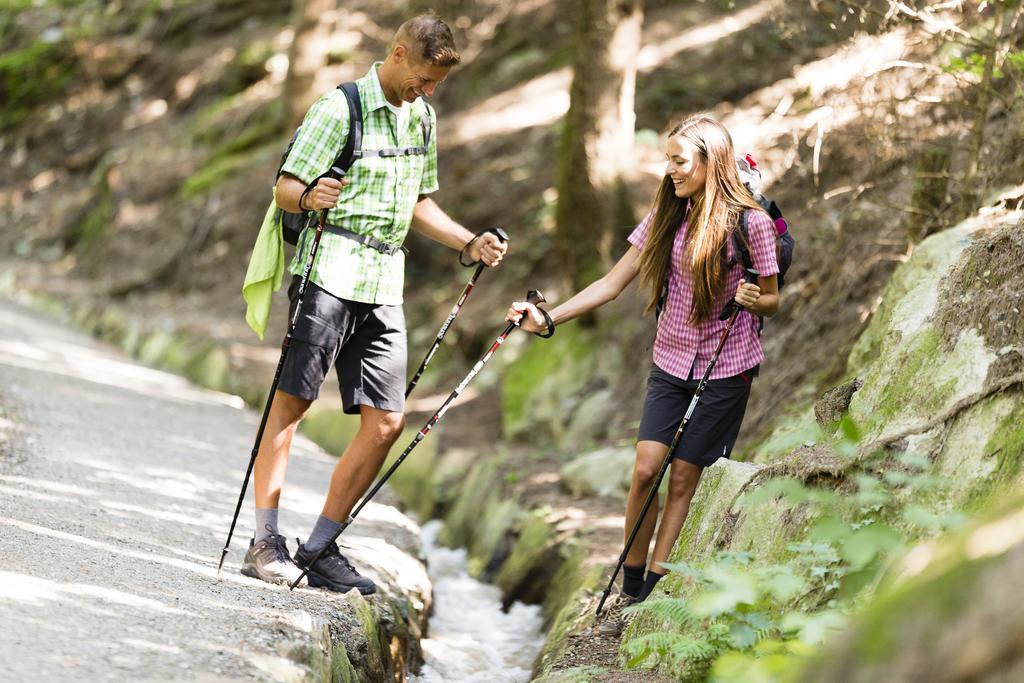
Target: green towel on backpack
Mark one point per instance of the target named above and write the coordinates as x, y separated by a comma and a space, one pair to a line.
266, 269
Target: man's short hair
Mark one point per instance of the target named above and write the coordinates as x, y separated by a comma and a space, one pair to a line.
428, 40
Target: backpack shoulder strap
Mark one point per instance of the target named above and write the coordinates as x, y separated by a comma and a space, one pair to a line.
354, 141
741, 240
426, 127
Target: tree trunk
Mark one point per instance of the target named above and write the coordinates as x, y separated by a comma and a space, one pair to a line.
594, 209
970, 196
307, 55
928, 199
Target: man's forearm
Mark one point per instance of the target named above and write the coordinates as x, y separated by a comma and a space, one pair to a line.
289, 191
428, 219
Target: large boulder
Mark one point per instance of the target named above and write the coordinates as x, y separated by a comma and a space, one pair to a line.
954, 615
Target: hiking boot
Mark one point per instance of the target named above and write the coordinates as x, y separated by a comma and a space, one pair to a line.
270, 561
614, 622
333, 571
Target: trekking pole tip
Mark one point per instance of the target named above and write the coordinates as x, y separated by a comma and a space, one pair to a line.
600, 605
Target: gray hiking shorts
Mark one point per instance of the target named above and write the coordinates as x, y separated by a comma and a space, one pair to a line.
365, 343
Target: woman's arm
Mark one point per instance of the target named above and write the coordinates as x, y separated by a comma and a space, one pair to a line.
594, 295
760, 299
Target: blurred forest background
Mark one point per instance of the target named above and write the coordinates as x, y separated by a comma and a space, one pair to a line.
141, 139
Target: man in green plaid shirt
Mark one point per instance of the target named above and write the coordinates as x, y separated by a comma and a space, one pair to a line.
351, 316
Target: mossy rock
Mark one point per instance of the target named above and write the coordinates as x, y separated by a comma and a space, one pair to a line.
375, 662
924, 352
916, 380
529, 551
573, 619
588, 422
334, 666
428, 483
574, 572
982, 477
960, 618
540, 386
604, 472
491, 539
832, 405
791, 431
712, 509
154, 347
577, 674
209, 367
479, 491
414, 481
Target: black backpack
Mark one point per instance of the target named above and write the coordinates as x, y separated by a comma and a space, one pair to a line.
784, 241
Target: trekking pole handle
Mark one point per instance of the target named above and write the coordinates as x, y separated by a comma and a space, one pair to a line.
480, 265
733, 306
497, 232
535, 297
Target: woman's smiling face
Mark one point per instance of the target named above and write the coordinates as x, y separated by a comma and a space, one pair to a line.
686, 167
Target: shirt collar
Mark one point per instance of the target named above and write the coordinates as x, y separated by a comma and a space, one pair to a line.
373, 94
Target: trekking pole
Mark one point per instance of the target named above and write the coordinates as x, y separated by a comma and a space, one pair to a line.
533, 297
503, 236
730, 312
337, 174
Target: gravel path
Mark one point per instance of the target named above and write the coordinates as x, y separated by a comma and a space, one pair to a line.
115, 499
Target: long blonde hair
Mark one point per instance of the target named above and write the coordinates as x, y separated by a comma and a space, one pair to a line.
713, 215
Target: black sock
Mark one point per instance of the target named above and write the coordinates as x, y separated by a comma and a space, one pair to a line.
649, 583
633, 579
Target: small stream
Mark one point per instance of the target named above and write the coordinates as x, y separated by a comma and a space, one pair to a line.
471, 639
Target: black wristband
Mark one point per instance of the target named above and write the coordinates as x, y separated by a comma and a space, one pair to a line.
551, 325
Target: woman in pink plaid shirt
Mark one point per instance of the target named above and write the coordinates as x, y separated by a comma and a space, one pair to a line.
686, 240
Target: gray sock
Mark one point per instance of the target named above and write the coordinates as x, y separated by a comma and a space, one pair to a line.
266, 523
324, 528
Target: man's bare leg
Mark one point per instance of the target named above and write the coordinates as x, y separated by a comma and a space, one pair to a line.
268, 558
355, 471
272, 461
361, 462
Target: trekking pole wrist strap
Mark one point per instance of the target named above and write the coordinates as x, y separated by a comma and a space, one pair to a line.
551, 325
302, 197
462, 252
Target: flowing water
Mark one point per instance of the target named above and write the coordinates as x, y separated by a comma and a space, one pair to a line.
471, 639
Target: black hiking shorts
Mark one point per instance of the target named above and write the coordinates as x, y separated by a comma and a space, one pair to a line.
365, 343
715, 423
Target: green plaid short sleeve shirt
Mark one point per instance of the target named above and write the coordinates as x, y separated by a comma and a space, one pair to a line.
380, 200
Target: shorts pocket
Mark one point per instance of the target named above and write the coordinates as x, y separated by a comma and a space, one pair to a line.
312, 330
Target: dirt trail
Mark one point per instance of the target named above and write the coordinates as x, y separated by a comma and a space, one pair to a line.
115, 497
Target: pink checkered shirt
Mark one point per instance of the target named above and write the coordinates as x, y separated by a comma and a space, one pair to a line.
680, 346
